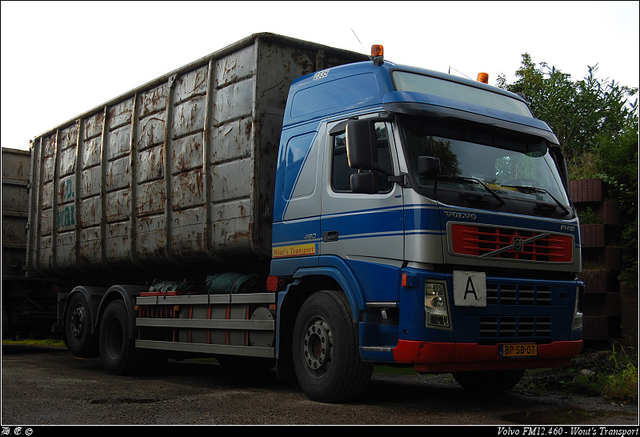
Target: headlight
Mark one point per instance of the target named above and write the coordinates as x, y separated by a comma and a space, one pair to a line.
436, 305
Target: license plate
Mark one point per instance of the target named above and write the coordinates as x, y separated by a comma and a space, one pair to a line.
518, 350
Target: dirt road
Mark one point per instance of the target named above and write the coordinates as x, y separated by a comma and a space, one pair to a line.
43, 385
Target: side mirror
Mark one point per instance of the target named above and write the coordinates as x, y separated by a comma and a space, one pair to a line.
367, 182
428, 166
362, 152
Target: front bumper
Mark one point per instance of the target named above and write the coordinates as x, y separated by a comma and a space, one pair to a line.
436, 357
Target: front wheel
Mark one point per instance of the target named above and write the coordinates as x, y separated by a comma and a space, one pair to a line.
117, 351
325, 350
490, 381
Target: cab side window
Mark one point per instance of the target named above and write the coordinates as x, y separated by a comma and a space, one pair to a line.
340, 170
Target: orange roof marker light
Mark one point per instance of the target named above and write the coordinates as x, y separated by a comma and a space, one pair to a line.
483, 77
377, 54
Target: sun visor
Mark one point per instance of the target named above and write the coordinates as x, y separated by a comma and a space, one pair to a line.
428, 105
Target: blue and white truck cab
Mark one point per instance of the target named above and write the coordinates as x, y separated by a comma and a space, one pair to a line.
439, 206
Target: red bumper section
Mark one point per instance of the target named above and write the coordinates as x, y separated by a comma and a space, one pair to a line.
461, 357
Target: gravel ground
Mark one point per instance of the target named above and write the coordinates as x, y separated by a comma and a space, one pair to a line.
48, 386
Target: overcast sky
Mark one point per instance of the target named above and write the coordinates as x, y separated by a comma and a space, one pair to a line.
60, 59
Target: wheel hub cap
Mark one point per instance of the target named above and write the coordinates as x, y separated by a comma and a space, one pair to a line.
77, 322
317, 346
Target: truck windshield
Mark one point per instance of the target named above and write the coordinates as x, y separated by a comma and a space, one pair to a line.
484, 167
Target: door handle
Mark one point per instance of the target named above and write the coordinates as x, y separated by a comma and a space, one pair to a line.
330, 236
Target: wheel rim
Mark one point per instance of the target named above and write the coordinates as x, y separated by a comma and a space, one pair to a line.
318, 347
78, 322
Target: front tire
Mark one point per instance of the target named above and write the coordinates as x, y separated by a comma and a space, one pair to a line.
325, 350
117, 351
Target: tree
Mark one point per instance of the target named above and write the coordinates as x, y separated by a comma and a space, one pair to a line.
581, 112
596, 122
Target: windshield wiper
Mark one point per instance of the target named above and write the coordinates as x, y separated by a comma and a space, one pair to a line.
541, 190
477, 181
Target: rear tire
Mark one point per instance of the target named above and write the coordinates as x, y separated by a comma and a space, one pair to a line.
77, 328
117, 351
490, 381
325, 350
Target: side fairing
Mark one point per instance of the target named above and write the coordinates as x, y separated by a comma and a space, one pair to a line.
297, 202
424, 236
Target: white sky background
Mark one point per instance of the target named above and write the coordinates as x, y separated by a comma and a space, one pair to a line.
60, 59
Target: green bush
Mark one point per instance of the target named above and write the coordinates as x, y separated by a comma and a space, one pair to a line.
610, 374
588, 217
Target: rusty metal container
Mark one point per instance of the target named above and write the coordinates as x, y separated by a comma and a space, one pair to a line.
178, 172
15, 179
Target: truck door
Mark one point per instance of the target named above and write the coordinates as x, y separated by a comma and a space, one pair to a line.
361, 228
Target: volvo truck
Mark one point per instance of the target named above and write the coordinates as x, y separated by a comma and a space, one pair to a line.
281, 204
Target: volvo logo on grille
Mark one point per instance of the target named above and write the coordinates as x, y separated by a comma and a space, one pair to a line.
518, 244
460, 215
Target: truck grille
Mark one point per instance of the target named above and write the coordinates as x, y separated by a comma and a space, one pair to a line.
515, 327
508, 243
516, 294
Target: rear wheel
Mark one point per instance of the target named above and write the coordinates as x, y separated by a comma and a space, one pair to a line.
325, 350
77, 328
491, 381
117, 351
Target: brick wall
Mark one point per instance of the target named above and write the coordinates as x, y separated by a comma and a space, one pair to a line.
608, 317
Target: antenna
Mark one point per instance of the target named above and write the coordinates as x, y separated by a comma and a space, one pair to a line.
354, 34
451, 68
